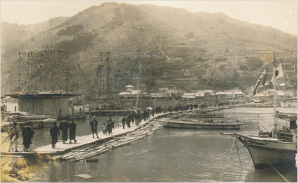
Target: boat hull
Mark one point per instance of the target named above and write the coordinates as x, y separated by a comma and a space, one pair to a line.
199, 125
268, 151
206, 116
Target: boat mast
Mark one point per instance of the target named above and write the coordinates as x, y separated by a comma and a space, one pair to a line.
274, 96
137, 102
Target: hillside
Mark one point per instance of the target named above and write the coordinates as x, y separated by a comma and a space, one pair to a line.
190, 50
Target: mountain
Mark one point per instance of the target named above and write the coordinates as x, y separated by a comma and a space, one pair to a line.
176, 48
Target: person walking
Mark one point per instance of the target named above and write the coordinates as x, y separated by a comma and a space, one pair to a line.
93, 125
63, 127
13, 133
138, 119
104, 128
110, 123
123, 122
128, 120
54, 131
72, 131
27, 134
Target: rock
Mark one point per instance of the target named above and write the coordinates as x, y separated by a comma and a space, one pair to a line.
13, 171
20, 178
86, 176
13, 175
23, 166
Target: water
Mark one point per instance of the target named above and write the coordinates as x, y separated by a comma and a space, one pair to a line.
179, 155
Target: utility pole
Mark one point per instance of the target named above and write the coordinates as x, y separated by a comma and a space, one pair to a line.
137, 102
19, 70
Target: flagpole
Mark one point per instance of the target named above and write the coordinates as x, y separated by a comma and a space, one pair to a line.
274, 96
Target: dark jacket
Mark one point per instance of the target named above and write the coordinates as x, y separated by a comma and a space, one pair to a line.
54, 132
27, 134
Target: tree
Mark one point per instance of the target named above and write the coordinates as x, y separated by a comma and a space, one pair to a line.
150, 76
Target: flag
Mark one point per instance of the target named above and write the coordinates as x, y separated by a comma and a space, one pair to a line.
263, 76
278, 73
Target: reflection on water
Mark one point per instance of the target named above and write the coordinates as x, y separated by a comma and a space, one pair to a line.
175, 155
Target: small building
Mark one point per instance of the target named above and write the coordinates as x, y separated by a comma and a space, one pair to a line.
129, 87
230, 96
9, 105
49, 104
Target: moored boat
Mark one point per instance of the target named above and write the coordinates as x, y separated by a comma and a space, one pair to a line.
266, 151
170, 123
278, 146
205, 115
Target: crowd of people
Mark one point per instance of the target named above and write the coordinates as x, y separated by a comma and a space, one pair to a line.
68, 129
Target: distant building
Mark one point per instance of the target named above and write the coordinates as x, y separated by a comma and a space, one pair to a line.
231, 96
199, 96
50, 104
9, 104
130, 92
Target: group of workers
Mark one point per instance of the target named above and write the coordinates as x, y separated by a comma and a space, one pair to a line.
28, 132
64, 127
107, 127
136, 117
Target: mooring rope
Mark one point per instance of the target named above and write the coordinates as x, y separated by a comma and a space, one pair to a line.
278, 172
227, 160
264, 127
239, 158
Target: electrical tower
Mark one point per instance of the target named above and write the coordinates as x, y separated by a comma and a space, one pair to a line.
44, 71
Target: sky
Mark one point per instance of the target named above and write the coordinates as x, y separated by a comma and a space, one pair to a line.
278, 14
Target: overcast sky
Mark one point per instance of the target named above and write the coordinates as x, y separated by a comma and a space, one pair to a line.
278, 14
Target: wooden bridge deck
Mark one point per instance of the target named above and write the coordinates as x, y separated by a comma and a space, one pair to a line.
85, 140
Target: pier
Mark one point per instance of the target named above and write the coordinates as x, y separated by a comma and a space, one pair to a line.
87, 140
82, 141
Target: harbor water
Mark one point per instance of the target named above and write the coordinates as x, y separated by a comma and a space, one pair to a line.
167, 155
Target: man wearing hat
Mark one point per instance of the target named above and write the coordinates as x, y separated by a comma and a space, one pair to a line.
27, 134
93, 125
63, 127
13, 136
54, 131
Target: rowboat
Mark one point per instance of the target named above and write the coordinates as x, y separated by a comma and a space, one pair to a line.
171, 123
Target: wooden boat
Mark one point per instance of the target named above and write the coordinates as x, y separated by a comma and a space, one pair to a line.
276, 147
266, 151
109, 112
170, 123
205, 115
92, 160
290, 116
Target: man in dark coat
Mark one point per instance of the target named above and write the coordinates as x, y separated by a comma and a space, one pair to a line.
123, 122
54, 134
27, 134
93, 125
72, 131
138, 119
133, 115
110, 124
63, 127
128, 120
